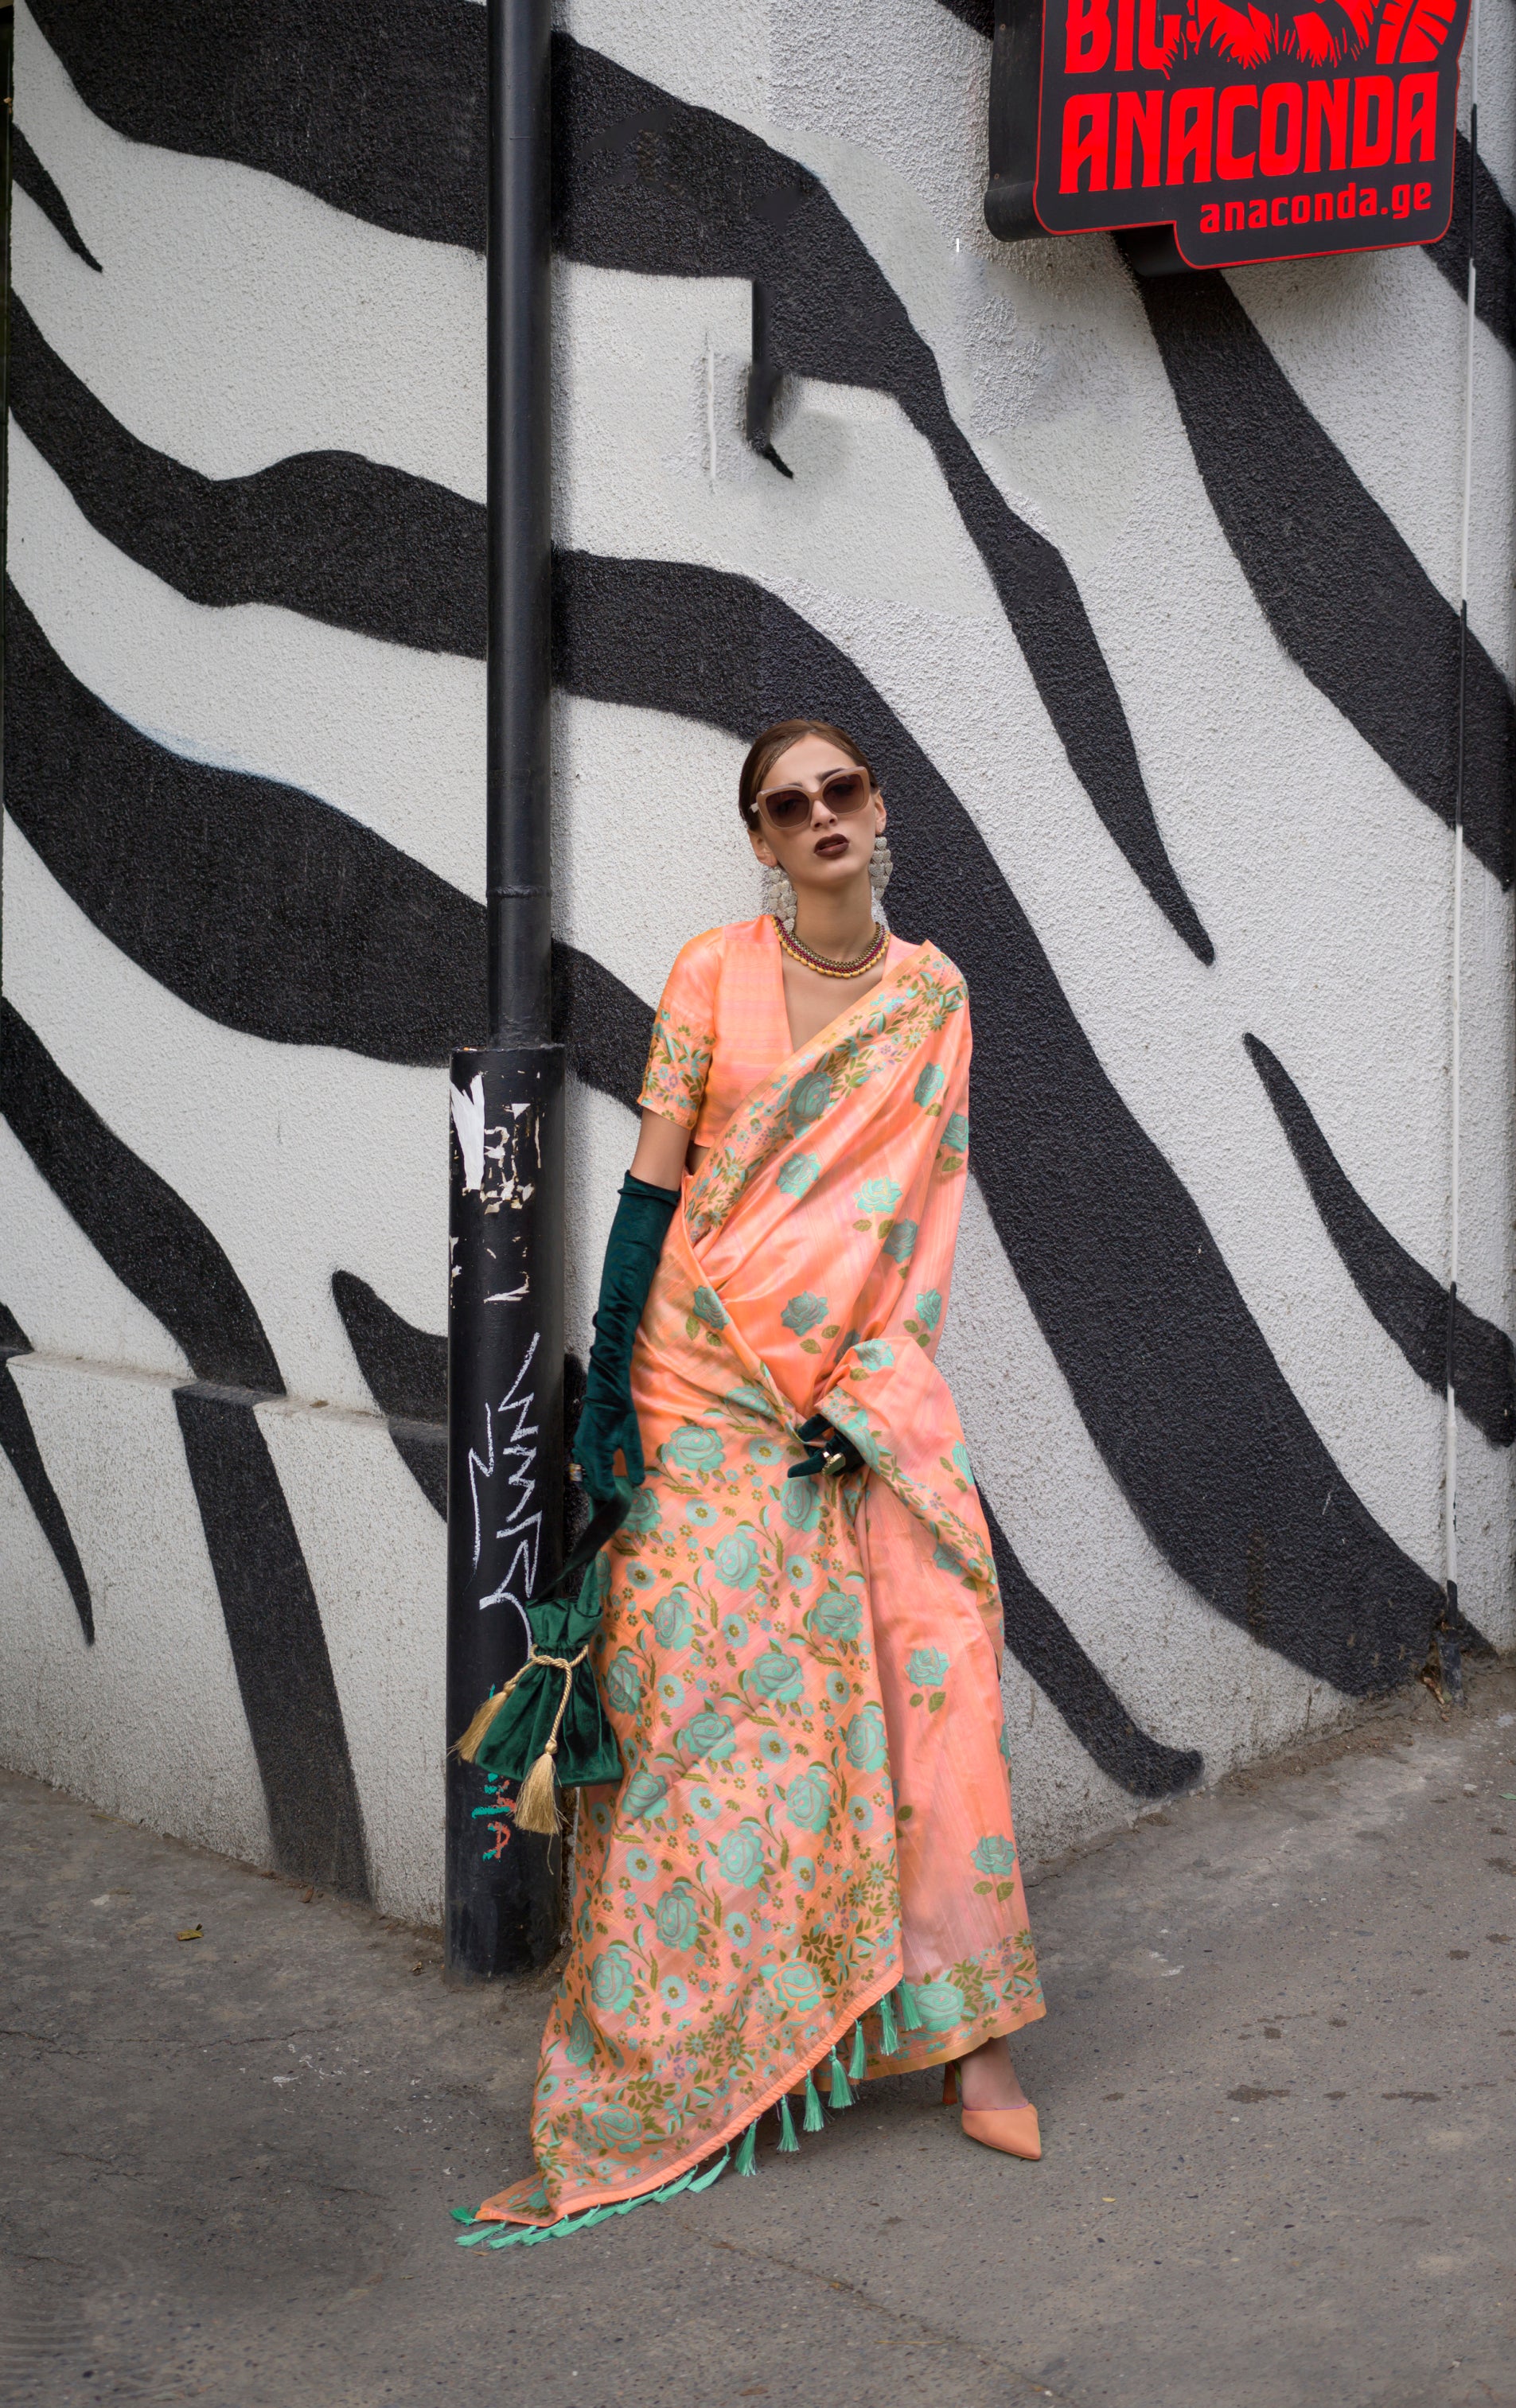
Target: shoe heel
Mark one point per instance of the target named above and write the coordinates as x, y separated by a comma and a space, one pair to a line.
950, 2082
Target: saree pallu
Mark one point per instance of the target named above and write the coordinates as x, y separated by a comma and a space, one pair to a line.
803, 1675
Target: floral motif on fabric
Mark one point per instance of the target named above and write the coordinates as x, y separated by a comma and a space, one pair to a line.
679, 1064
926, 1669
798, 1176
952, 1154
804, 1313
788, 1825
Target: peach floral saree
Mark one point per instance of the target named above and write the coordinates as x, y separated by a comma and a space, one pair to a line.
808, 1870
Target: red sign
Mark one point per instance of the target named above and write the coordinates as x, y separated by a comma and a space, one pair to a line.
1255, 137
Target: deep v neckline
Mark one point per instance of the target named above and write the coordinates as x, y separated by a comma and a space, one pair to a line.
780, 1002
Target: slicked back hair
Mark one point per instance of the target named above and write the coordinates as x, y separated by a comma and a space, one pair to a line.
765, 750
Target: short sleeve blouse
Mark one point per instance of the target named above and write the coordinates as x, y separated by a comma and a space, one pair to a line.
721, 1026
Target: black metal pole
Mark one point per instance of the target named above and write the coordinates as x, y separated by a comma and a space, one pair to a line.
505, 1292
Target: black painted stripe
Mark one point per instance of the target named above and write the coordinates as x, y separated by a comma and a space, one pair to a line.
173, 1266
264, 908
279, 1646
366, 949
1495, 247
377, 107
978, 15
1170, 1372
641, 180
18, 1442
1043, 1644
341, 538
648, 182
606, 1027
28, 172
407, 1371
134, 1221
1403, 1297
422, 1448
654, 185
405, 1368
1342, 591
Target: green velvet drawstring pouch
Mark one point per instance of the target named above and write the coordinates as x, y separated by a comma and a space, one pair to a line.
548, 1728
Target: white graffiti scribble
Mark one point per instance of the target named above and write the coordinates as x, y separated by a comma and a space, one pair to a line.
510, 1436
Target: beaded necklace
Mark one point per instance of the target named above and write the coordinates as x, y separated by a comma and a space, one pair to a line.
873, 953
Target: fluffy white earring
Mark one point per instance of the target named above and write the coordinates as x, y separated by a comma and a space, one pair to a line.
779, 897
881, 864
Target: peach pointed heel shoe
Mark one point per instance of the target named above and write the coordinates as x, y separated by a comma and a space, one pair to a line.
1013, 2129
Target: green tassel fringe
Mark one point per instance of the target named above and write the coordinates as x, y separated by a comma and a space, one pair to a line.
815, 2119
497, 2236
889, 2036
745, 2161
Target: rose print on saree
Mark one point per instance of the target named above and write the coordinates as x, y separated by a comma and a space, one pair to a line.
791, 1841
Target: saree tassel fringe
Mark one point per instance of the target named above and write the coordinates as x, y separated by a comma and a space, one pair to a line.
744, 2158
814, 2120
889, 2036
495, 2236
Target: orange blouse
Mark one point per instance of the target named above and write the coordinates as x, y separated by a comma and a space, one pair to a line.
721, 1026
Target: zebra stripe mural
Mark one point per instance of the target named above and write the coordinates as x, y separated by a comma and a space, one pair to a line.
1143, 599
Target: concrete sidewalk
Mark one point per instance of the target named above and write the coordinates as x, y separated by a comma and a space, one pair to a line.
1276, 2080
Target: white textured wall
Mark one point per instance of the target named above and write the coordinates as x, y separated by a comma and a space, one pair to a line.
238, 320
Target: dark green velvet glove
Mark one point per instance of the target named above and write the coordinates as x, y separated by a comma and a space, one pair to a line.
826, 1445
608, 1419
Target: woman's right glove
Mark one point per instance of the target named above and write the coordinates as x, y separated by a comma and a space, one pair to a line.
608, 1418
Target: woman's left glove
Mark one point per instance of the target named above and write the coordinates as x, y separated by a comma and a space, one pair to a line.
608, 1418
830, 1450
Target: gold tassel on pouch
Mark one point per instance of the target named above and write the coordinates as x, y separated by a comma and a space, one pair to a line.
536, 1807
474, 1737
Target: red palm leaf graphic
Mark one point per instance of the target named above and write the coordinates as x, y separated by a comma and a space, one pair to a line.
1245, 36
1360, 15
1413, 31
1312, 39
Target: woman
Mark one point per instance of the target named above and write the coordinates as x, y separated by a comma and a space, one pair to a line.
802, 1602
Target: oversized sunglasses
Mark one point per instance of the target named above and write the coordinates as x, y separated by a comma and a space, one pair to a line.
790, 807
